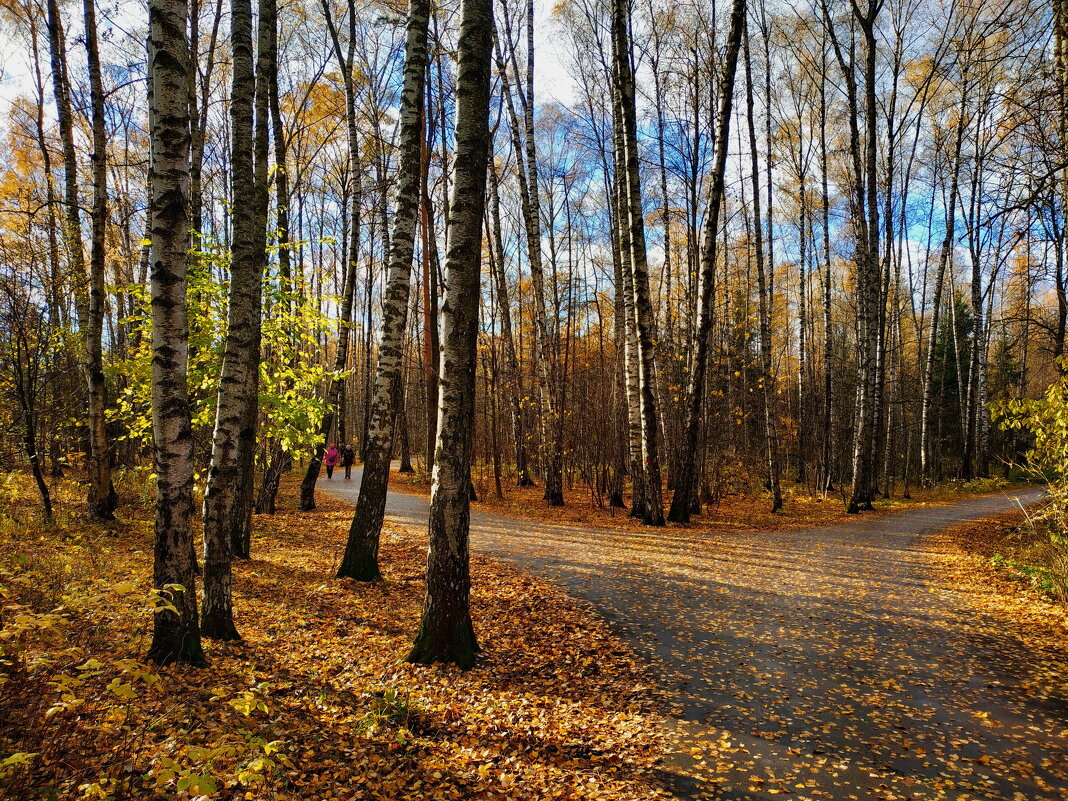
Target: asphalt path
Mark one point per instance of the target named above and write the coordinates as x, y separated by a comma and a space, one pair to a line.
824, 663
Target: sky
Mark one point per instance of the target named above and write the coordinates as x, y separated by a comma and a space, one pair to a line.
552, 81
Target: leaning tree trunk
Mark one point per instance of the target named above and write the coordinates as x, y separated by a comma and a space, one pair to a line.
446, 633
361, 553
685, 483
176, 631
631, 211
307, 486
513, 375
235, 411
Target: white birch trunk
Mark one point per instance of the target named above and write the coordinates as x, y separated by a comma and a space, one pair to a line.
176, 634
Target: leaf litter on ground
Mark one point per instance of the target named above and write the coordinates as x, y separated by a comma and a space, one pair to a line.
314, 702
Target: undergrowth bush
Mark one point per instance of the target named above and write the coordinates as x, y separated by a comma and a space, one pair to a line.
1046, 420
72, 623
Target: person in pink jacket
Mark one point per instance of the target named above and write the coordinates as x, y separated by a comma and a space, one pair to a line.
330, 459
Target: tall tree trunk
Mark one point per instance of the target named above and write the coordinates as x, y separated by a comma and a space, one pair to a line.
56, 297
1060, 52
176, 631
545, 340
865, 217
623, 95
348, 295
686, 484
446, 633
767, 378
278, 460
361, 552
235, 419
431, 341
513, 375
625, 291
102, 498
827, 443
240, 533
626, 453
803, 322
88, 288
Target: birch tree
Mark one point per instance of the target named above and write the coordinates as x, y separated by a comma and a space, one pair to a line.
361, 552
88, 286
238, 385
446, 633
176, 630
102, 498
653, 511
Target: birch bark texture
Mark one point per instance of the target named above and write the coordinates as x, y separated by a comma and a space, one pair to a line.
361, 552
176, 631
446, 633
629, 334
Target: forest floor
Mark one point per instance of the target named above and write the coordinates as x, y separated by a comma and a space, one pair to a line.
884, 658
802, 507
314, 702
846, 661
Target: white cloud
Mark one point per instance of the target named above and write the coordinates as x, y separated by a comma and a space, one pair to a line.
552, 81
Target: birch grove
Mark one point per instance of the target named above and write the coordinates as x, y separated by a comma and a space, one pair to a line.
793, 254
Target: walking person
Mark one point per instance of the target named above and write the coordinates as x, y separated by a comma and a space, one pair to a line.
330, 459
348, 456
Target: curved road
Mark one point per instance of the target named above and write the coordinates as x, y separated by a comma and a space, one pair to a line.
814, 664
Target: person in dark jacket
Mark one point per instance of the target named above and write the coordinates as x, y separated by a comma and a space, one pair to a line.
348, 456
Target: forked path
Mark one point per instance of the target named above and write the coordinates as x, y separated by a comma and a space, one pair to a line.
816, 664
